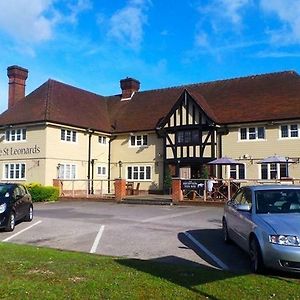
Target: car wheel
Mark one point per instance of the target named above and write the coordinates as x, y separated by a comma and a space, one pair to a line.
256, 259
29, 216
226, 237
11, 222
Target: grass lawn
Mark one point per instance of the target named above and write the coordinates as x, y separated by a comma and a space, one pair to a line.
28, 272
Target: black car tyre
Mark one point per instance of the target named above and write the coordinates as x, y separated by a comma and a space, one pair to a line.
226, 237
11, 222
29, 216
256, 259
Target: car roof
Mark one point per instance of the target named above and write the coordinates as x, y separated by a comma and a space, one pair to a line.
265, 187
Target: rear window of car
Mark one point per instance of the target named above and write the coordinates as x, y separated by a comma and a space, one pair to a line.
277, 201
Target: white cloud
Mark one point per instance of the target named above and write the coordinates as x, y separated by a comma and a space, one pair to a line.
288, 13
25, 20
77, 8
34, 21
127, 24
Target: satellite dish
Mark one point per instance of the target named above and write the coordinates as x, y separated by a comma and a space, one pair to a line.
2, 137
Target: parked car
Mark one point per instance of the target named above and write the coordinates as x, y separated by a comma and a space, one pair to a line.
264, 220
15, 205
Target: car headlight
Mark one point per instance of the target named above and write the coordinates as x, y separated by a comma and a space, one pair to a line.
2, 208
285, 240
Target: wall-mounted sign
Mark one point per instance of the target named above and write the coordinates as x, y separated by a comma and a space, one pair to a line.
11, 151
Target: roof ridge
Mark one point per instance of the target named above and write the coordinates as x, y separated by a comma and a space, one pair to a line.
183, 86
74, 87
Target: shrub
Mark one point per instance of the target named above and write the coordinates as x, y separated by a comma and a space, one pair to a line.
41, 193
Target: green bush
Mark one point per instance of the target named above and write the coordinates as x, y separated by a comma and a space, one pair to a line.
41, 193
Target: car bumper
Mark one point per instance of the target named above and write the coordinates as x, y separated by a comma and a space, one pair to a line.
285, 258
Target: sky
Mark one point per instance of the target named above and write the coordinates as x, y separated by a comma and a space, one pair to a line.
92, 44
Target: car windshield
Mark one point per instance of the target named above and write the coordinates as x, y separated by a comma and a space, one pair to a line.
277, 201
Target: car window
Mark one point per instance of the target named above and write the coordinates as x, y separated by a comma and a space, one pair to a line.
238, 196
246, 198
4, 189
278, 201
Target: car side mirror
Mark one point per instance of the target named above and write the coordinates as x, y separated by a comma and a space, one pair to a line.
243, 207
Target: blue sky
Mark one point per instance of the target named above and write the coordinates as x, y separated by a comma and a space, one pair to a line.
92, 44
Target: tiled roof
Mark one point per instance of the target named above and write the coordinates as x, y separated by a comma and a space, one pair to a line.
60, 103
267, 97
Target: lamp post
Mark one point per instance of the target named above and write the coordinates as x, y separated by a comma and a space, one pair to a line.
120, 168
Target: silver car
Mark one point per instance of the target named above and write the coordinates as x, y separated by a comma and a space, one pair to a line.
264, 220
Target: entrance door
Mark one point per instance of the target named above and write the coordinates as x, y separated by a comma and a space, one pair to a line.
185, 173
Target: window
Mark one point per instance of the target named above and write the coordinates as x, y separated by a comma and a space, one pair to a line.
68, 135
102, 139
15, 135
101, 170
67, 171
289, 131
188, 137
252, 133
237, 171
273, 171
139, 173
138, 140
14, 171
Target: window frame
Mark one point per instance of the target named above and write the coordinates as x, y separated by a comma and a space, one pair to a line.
14, 169
11, 135
237, 171
102, 139
289, 131
68, 135
139, 140
188, 137
271, 169
102, 167
252, 133
65, 169
139, 173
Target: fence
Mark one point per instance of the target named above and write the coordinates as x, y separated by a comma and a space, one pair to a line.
86, 188
222, 189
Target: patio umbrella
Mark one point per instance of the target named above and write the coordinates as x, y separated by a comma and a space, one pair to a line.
275, 159
224, 161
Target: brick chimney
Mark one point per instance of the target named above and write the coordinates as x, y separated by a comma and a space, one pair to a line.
129, 86
16, 84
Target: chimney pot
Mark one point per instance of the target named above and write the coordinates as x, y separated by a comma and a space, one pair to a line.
16, 84
129, 86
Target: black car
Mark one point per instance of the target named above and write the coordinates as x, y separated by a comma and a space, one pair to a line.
15, 205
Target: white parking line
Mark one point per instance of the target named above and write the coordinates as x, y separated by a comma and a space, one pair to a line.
207, 252
21, 231
97, 240
172, 215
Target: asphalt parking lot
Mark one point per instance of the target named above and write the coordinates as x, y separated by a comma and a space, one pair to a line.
176, 234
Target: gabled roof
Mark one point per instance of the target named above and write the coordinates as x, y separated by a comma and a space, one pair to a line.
267, 97
60, 103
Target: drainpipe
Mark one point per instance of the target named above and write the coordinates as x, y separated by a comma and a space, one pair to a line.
90, 133
109, 162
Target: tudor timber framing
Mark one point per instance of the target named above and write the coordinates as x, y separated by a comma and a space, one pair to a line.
187, 116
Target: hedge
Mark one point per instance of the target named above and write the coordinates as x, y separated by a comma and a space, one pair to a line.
41, 193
